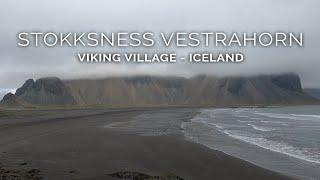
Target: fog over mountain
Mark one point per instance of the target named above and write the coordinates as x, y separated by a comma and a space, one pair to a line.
19, 64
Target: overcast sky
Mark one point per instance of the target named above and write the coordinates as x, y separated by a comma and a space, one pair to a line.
19, 64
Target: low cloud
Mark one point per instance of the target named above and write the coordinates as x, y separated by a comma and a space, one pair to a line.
19, 64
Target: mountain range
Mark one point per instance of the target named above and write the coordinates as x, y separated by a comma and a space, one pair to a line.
313, 92
165, 91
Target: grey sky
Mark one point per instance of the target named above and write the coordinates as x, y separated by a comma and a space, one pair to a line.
18, 64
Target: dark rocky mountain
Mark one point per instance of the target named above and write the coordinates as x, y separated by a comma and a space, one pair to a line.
2, 93
313, 92
131, 91
11, 100
45, 91
277, 89
164, 91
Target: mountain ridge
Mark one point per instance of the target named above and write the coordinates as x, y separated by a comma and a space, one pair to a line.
11, 100
202, 90
314, 92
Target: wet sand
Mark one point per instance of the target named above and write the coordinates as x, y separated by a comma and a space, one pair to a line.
75, 144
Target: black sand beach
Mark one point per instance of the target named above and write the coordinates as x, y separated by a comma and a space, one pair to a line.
92, 144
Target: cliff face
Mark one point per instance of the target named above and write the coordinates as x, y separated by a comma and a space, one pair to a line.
11, 100
275, 89
196, 91
45, 91
135, 91
313, 92
161, 91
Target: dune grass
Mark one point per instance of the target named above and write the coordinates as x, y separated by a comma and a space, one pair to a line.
21, 113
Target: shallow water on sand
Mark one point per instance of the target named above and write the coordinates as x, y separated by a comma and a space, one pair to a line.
285, 139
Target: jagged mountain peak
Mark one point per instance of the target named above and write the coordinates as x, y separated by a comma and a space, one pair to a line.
45, 91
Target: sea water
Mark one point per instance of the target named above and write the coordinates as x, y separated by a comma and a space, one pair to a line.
283, 139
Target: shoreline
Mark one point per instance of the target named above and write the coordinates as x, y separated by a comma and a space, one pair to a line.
82, 146
267, 144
